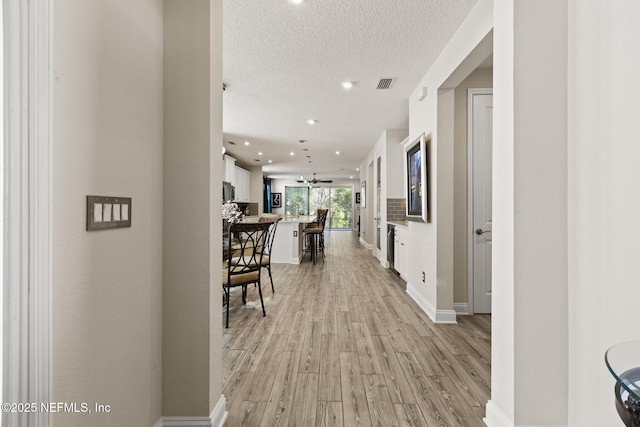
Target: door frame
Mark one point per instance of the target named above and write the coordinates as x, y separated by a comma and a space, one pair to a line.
470, 252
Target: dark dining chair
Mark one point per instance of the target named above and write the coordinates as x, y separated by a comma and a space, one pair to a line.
314, 234
244, 260
266, 255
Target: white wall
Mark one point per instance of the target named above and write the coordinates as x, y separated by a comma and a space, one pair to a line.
107, 140
468, 47
394, 159
604, 61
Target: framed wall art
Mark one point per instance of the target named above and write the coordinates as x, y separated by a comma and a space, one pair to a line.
416, 180
276, 200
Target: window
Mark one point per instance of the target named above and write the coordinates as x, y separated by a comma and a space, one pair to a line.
296, 200
306, 201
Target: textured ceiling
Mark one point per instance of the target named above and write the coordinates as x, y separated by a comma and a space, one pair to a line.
284, 62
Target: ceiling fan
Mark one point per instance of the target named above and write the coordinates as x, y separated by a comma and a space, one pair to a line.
314, 180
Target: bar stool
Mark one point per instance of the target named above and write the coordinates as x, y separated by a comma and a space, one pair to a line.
314, 235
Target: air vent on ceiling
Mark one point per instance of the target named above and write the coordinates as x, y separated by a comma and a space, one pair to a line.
384, 83
231, 143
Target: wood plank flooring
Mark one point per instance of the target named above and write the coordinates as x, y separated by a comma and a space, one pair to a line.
344, 345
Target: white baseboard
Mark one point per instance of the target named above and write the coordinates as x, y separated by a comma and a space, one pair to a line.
461, 308
437, 316
367, 246
219, 414
216, 419
495, 417
184, 422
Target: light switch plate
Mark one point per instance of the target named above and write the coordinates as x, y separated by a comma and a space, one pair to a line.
105, 213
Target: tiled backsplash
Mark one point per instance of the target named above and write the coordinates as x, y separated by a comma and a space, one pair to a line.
396, 209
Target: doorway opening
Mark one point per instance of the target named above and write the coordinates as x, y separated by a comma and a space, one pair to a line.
480, 130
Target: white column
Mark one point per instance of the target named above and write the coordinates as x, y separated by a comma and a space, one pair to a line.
26, 223
530, 305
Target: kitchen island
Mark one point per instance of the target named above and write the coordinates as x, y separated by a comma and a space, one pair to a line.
288, 243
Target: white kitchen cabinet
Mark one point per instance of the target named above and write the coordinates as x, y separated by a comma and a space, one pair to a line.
243, 183
401, 251
230, 170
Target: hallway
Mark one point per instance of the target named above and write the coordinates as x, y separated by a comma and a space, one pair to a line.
343, 344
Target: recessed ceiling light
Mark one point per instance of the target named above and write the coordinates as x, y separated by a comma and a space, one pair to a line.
351, 177
291, 153
247, 143
347, 85
270, 161
337, 152
312, 121
296, 1
358, 169
301, 177
259, 153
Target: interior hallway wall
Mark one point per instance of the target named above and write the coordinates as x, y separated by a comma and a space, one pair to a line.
604, 61
107, 140
192, 328
468, 47
215, 214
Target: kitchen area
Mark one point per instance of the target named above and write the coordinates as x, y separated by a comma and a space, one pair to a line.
244, 186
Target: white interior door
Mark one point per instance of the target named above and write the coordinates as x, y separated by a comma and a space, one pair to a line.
480, 143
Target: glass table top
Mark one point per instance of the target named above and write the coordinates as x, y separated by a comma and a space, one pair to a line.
623, 361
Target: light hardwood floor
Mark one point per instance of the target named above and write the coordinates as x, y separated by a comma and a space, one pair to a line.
344, 345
